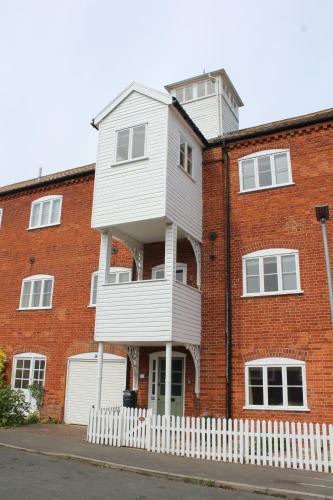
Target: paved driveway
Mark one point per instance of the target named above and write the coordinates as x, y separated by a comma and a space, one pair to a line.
27, 476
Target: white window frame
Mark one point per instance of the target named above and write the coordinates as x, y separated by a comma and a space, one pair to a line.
179, 267
187, 144
195, 91
1, 215
41, 201
130, 144
93, 276
271, 252
32, 356
271, 153
117, 271
283, 363
32, 279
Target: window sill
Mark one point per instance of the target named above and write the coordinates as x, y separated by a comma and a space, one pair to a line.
265, 188
186, 173
91, 306
43, 227
197, 98
126, 162
272, 294
34, 308
278, 408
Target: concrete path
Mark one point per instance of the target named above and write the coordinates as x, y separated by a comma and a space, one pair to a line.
69, 441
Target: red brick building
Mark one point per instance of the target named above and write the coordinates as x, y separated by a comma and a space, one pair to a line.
281, 325
67, 251
247, 255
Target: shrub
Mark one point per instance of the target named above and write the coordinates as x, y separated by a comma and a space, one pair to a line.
37, 392
2, 366
51, 420
33, 418
13, 407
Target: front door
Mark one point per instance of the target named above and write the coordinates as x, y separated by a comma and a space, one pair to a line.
177, 386
29, 368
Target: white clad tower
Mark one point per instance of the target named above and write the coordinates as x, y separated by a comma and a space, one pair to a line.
211, 101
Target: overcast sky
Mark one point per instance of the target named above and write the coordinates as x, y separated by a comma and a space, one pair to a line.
62, 61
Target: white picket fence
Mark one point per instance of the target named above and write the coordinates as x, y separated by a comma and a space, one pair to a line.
279, 444
119, 427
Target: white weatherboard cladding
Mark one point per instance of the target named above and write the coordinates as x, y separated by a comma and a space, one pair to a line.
184, 197
229, 120
135, 190
135, 311
81, 387
204, 113
148, 311
186, 318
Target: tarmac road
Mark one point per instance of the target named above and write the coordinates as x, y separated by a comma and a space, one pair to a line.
29, 476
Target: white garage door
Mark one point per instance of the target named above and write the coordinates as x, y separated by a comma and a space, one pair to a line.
82, 381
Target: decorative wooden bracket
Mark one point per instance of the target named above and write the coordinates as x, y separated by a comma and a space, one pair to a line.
196, 245
195, 351
135, 246
138, 257
134, 354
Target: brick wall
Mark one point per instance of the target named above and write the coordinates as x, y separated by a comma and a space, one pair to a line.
213, 381
70, 252
295, 326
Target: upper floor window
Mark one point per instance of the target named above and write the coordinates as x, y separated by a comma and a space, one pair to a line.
1, 214
275, 383
265, 169
28, 369
196, 91
131, 143
271, 272
93, 288
36, 292
45, 211
181, 272
116, 275
185, 155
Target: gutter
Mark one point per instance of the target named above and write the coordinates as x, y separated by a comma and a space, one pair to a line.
92, 123
191, 123
274, 130
227, 259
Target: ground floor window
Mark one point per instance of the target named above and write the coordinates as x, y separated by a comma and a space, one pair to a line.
275, 383
28, 368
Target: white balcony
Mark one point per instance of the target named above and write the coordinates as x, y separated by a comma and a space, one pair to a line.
148, 312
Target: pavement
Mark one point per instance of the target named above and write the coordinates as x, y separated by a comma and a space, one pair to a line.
68, 441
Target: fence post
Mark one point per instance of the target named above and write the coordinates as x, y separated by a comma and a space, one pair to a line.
330, 429
148, 431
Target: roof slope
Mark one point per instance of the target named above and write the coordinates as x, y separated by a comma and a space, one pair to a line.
296, 121
47, 179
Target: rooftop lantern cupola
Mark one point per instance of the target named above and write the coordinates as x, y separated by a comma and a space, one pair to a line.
211, 101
